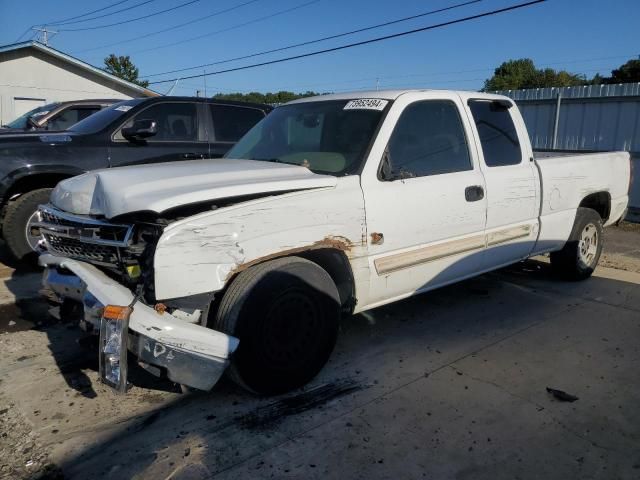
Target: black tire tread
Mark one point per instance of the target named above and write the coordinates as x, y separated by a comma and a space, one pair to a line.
12, 230
232, 300
564, 262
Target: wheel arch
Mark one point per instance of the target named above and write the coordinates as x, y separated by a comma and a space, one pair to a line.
23, 182
333, 260
600, 202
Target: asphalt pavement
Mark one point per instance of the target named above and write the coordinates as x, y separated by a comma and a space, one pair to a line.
449, 384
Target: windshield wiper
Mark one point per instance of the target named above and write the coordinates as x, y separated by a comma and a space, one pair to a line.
275, 160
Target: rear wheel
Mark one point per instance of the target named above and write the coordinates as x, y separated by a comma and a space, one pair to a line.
580, 255
16, 228
285, 313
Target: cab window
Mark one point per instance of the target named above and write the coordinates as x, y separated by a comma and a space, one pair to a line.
428, 139
176, 122
70, 117
498, 135
231, 123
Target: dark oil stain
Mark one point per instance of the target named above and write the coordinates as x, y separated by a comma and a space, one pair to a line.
266, 416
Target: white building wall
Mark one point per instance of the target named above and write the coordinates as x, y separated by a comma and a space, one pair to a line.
29, 78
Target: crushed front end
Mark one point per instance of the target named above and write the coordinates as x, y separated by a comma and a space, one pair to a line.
99, 264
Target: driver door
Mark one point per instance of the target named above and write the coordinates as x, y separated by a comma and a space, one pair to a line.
424, 198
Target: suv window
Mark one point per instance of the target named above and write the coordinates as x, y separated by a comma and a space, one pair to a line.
498, 135
231, 123
70, 117
428, 139
177, 122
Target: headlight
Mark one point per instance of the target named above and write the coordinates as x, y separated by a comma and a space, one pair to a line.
114, 334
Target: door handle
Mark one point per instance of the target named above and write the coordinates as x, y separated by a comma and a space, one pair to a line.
473, 193
190, 156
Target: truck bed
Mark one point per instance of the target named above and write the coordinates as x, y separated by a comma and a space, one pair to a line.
568, 177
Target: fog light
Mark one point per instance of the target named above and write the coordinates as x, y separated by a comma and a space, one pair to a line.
114, 328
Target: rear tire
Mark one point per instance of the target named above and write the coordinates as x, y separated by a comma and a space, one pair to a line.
286, 313
580, 255
15, 226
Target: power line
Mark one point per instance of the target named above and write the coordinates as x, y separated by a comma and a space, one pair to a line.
58, 22
364, 42
103, 15
256, 20
219, 12
457, 72
131, 19
331, 37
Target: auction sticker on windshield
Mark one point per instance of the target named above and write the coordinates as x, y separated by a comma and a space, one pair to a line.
366, 104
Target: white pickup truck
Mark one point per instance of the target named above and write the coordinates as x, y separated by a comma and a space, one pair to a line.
330, 205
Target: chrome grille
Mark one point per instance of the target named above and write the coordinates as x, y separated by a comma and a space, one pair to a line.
80, 237
71, 247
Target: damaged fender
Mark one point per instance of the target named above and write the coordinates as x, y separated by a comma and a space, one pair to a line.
201, 253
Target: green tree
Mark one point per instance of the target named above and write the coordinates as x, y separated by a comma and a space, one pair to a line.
627, 73
522, 73
282, 96
123, 67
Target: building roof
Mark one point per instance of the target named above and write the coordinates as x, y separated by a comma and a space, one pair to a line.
78, 63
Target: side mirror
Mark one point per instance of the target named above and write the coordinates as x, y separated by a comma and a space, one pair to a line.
140, 130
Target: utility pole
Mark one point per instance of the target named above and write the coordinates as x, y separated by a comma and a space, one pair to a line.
204, 78
44, 34
377, 84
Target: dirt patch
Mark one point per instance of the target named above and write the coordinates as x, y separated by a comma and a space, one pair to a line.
21, 455
25, 315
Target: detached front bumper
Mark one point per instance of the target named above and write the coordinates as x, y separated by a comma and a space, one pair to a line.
190, 354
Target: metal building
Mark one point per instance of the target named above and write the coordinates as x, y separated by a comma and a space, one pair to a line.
33, 74
592, 117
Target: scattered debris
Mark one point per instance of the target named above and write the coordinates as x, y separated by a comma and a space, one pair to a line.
562, 396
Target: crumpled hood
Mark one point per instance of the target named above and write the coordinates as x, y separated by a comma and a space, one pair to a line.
159, 187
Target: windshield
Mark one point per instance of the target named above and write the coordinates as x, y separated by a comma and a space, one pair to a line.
328, 137
99, 120
21, 121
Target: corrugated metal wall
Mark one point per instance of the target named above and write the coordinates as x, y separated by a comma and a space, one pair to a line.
594, 117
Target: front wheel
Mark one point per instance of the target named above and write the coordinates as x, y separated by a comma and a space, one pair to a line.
16, 228
285, 312
580, 255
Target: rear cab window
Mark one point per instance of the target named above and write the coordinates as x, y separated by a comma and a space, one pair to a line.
497, 132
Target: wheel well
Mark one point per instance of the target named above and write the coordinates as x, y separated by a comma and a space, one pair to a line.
600, 202
333, 261
336, 264
34, 182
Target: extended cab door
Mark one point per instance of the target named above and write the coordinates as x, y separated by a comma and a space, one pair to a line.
180, 136
424, 198
512, 183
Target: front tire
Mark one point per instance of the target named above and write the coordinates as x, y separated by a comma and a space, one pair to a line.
580, 255
286, 314
15, 228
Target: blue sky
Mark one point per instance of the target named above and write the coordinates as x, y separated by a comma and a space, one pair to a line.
585, 36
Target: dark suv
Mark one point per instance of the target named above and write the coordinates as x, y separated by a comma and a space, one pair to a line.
151, 130
56, 116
